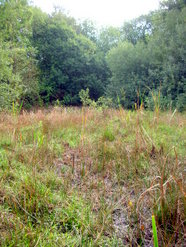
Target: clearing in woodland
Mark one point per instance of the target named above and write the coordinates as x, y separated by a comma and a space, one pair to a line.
87, 177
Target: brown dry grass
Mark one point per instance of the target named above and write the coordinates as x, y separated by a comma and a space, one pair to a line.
125, 165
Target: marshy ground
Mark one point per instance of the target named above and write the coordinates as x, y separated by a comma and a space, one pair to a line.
87, 177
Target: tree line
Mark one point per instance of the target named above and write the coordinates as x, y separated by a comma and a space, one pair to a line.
47, 58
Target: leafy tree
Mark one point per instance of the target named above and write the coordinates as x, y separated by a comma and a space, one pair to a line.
88, 29
153, 57
138, 29
68, 61
17, 56
168, 47
129, 66
109, 37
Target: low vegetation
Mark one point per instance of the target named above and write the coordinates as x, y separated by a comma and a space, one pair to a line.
92, 177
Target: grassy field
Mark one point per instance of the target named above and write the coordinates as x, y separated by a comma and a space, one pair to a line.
86, 177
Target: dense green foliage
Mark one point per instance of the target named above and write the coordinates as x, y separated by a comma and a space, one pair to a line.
152, 58
18, 67
68, 61
44, 58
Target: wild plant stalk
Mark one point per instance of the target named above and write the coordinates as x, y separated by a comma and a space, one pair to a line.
154, 229
162, 199
16, 108
83, 123
156, 100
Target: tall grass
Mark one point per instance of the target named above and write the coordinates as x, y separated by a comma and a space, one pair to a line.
85, 177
